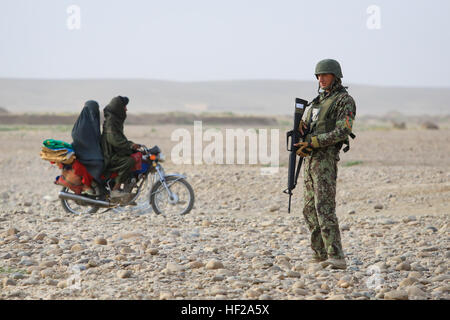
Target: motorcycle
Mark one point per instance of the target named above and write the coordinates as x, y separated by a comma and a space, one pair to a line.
169, 194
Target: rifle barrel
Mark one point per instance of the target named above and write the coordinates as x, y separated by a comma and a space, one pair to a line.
289, 208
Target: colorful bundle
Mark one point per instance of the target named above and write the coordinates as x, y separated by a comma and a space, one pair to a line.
57, 151
57, 144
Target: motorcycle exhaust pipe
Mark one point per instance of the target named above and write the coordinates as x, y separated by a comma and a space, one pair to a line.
75, 197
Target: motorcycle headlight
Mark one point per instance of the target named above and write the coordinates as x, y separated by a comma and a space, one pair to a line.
162, 157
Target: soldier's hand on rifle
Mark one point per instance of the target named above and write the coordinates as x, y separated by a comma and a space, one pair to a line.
304, 149
302, 127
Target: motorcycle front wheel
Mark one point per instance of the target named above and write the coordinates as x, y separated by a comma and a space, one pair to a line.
180, 202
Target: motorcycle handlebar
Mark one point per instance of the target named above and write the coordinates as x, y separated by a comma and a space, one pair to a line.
154, 150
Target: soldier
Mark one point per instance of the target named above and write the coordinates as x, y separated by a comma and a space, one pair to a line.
116, 147
329, 120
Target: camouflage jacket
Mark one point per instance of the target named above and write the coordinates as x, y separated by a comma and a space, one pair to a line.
342, 113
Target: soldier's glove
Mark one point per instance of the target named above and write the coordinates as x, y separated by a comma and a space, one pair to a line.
314, 142
307, 147
304, 149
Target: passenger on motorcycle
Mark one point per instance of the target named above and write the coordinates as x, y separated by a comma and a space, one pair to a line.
86, 144
116, 147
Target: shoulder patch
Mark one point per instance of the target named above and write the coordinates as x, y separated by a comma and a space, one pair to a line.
349, 122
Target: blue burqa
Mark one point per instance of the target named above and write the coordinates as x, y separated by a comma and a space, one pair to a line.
86, 139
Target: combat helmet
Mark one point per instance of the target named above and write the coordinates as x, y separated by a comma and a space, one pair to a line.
329, 66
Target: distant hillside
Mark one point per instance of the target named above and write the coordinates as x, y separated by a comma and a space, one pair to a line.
268, 97
147, 119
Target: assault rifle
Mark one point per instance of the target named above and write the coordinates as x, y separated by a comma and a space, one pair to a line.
295, 136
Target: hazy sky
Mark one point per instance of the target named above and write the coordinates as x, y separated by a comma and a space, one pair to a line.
195, 40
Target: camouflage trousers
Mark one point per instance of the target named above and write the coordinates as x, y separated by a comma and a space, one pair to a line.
319, 211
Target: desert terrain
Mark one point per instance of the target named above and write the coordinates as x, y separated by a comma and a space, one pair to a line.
238, 242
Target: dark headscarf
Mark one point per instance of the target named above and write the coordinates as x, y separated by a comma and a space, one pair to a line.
116, 108
86, 139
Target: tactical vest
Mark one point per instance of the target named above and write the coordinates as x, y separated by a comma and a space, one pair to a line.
324, 119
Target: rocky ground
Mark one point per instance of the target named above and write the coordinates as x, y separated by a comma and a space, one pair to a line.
238, 242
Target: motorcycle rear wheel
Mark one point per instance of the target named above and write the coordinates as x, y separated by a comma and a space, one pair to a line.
71, 206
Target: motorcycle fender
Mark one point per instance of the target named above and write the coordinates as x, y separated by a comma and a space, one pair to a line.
179, 176
176, 175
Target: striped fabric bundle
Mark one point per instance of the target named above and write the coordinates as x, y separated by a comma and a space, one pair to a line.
57, 144
57, 151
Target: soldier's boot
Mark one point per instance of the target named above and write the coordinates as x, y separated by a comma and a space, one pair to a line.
316, 259
334, 263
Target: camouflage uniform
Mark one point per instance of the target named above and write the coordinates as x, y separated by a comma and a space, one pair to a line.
320, 171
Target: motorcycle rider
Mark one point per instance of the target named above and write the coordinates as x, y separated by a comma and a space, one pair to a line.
117, 149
